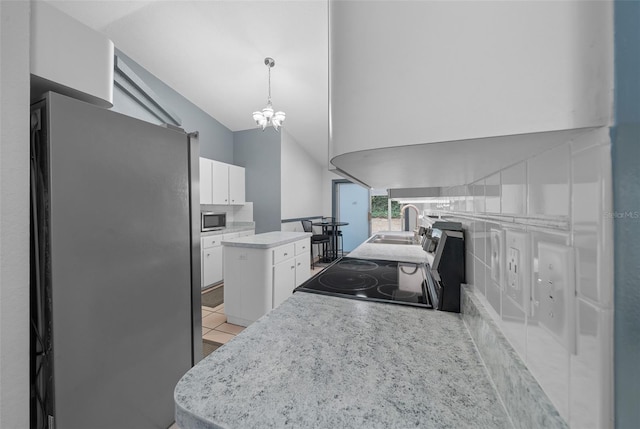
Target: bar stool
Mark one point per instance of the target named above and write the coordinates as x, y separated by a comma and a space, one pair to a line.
315, 239
331, 231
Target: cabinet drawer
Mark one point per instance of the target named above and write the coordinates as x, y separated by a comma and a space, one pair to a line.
211, 241
283, 253
230, 235
302, 246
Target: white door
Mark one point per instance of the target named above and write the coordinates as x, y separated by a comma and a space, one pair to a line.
351, 204
220, 183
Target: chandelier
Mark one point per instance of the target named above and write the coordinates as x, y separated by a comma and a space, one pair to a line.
267, 117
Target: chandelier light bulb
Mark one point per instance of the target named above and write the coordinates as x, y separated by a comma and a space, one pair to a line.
267, 116
267, 112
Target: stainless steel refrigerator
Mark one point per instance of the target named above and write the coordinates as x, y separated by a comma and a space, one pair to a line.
115, 281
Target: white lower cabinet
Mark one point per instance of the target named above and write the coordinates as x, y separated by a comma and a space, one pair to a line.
212, 270
212, 266
303, 261
303, 269
211, 259
258, 280
284, 281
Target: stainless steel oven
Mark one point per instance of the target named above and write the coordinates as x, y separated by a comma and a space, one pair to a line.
213, 221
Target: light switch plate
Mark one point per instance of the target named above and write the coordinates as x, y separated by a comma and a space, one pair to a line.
518, 268
554, 294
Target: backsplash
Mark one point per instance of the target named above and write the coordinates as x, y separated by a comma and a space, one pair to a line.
550, 287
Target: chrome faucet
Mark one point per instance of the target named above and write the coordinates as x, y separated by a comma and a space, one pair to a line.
403, 208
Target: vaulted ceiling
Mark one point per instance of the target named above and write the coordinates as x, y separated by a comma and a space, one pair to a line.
212, 52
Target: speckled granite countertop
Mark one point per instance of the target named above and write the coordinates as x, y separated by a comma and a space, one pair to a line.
231, 227
325, 362
267, 239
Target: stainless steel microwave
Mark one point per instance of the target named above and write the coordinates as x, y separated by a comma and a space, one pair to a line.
213, 221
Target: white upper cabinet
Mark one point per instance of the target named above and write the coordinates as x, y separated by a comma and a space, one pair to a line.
236, 185
221, 183
68, 57
419, 73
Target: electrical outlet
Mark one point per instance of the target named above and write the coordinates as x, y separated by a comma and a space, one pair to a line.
513, 262
554, 293
517, 268
497, 257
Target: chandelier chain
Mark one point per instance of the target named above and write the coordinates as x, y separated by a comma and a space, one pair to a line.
269, 98
267, 116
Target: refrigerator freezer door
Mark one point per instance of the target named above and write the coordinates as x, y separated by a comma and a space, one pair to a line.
120, 266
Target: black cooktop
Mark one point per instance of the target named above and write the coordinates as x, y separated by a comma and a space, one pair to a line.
373, 280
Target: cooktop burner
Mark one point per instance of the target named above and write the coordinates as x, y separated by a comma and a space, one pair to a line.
373, 280
356, 264
347, 281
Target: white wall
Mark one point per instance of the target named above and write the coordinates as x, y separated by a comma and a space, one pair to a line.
14, 214
301, 183
562, 196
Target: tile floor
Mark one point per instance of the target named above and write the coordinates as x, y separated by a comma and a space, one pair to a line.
215, 329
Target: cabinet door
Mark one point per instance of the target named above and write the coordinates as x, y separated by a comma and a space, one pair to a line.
303, 268
303, 246
220, 183
211, 265
211, 241
284, 278
236, 185
205, 181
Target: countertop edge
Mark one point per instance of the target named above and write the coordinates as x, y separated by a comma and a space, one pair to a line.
187, 419
250, 242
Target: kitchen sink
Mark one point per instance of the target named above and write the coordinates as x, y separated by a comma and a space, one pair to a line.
392, 239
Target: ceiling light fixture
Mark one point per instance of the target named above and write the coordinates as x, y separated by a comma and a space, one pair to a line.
266, 117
